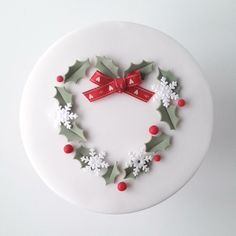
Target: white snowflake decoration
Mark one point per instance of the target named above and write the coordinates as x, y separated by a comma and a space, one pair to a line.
64, 116
139, 161
94, 161
165, 91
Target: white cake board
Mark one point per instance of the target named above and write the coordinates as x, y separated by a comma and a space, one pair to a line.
119, 123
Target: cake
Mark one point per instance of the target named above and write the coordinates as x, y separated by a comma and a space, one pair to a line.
116, 117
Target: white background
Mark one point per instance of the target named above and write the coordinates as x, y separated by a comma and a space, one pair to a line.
206, 205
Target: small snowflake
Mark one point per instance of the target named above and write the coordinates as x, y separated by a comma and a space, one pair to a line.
64, 116
165, 91
94, 161
139, 161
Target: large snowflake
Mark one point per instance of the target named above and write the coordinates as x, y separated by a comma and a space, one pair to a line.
64, 116
139, 161
94, 161
165, 91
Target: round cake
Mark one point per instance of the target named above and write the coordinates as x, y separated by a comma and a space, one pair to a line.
116, 117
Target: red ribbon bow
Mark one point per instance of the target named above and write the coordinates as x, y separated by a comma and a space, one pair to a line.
108, 85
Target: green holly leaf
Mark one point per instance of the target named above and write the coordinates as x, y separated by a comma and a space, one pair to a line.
170, 77
168, 115
129, 173
73, 134
167, 74
62, 96
158, 143
79, 153
144, 67
111, 174
77, 71
107, 66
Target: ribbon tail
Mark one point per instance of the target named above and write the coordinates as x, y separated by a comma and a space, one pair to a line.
140, 93
100, 92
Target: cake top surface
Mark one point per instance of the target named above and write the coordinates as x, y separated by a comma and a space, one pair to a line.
117, 123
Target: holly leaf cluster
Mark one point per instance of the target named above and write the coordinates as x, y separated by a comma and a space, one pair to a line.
158, 143
63, 97
129, 173
79, 153
170, 77
168, 115
107, 66
111, 174
73, 134
77, 71
144, 67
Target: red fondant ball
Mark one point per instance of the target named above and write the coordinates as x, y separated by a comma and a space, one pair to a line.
122, 186
156, 157
153, 130
68, 148
181, 102
60, 78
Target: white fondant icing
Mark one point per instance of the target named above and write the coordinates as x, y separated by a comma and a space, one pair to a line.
117, 123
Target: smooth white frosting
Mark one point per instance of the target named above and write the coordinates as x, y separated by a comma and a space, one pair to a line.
116, 124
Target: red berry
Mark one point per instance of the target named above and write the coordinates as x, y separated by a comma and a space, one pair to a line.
181, 102
60, 78
68, 148
156, 157
153, 130
122, 186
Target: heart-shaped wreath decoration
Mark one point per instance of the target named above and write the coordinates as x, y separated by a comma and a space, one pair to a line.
108, 80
